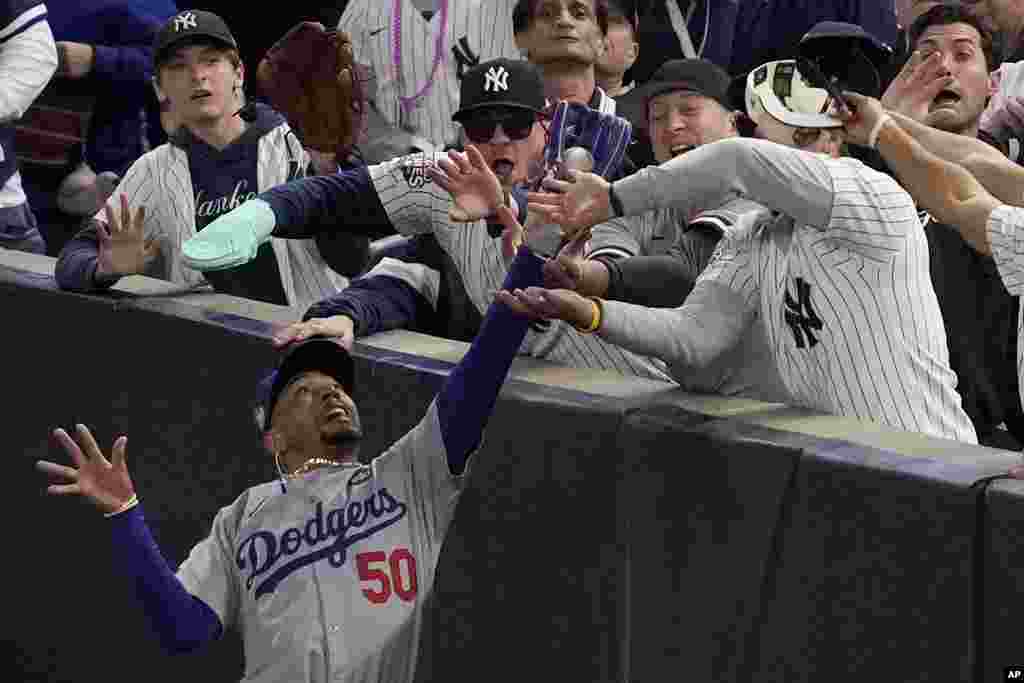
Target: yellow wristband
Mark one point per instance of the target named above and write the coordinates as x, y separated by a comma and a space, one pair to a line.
595, 320
129, 504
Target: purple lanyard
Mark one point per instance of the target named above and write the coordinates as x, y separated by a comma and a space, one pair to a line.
396, 52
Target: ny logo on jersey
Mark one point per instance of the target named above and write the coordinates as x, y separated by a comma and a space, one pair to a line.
800, 315
465, 58
185, 20
496, 80
415, 172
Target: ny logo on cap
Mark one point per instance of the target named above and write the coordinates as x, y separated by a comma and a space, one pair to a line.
184, 21
496, 79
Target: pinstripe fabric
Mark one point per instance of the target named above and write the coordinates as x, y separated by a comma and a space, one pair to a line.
847, 302
484, 25
160, 181
1006, 235
415, 205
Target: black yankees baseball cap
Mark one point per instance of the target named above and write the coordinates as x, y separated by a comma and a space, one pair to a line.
323, 354
513, 83
189, 25
697, 76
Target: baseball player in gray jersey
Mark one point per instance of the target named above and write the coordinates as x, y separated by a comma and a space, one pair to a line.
502, 105
418, 50
840, 277
325, 571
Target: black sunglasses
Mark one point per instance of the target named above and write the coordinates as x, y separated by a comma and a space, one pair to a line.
517, 125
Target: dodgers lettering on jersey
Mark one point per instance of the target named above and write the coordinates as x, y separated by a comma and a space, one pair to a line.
476, 31
416, 205
266, 558
326, 581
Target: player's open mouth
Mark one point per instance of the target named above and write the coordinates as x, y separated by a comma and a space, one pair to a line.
502, 168
676, 150
336, 413
201, 94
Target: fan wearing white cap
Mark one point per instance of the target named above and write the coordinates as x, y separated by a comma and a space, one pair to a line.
787, 109
839, 275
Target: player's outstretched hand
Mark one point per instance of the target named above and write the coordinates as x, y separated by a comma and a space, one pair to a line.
339, 327
576, 205
123, 247
105, 483
475, 189
549, 304
914, 89
859, 123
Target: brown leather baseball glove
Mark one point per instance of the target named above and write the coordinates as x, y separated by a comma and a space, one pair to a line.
309, 76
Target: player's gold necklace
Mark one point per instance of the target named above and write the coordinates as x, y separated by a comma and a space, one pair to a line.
314, 463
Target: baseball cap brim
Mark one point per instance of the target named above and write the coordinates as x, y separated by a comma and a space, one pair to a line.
193, 37
321, 354
463, 113
787, 96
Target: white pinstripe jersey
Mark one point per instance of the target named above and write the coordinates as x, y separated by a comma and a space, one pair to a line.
477, 31
1006, 235
841, 280
161, 181
416, 205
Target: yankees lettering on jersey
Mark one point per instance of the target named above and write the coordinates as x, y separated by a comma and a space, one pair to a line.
346, 525
800, 315
215, 206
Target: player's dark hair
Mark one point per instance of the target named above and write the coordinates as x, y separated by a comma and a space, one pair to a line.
524, 11
958, 13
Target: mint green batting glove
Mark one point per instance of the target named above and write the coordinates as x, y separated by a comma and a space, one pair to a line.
231, 240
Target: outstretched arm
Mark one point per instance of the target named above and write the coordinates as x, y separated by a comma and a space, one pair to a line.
949, 192
182, 621
467, 399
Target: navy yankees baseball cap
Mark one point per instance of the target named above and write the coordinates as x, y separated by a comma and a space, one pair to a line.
316, 353
188, 25
511, 83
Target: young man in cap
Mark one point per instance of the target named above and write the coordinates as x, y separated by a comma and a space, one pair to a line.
324, 572
839, 276
220, 156
503, 114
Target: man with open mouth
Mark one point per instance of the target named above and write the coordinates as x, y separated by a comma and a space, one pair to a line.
945, 85
502, 113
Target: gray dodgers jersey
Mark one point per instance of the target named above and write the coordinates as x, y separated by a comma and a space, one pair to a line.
327, 581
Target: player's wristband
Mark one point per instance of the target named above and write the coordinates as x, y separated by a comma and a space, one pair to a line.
596, 316
615, 202
128, 505
877, 130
